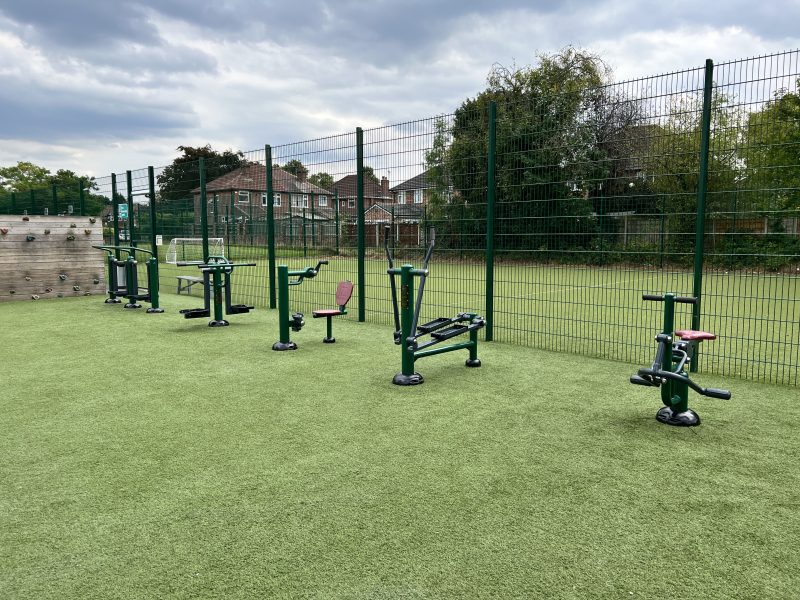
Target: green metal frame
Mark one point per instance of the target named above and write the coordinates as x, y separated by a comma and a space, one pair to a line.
296, 321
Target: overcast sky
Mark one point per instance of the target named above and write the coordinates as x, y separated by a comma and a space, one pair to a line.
98, 86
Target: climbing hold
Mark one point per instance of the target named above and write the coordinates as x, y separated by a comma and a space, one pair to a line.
87, 231
27, 278
29, 238
47, 232
76, 288
87, 293
72, 225
95, 281
26, 218
12, 292
92, 220
48, 290
70, 238
62, 276
34, 297
4, 230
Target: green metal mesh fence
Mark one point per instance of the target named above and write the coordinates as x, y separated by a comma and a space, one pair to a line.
554, 210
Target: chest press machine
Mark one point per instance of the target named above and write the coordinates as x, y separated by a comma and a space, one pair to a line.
410, 335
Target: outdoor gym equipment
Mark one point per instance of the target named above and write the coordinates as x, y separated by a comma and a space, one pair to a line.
123, 277
296, 322
407, 333
669, 370
216, 278
343, 293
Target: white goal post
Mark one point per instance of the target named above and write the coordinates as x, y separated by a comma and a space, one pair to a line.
191, 249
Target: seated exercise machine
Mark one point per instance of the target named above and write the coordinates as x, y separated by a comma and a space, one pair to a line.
408, 334
669, 370
123, 277
216, 278
344, 292
296, 322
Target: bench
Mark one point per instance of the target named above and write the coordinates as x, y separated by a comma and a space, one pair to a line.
185, 282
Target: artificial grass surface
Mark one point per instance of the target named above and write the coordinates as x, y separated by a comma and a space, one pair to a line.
150, 456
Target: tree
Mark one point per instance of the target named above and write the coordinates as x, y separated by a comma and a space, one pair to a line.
369, 173
323, 180
296, 168
543, 150
176, 182
33, 186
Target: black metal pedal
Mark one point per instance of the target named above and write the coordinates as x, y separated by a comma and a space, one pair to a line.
445, 334
433, 325
195, 313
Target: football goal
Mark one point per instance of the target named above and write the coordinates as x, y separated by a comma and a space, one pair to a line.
191, 249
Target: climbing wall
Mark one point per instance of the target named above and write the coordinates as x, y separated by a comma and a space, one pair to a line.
50, 257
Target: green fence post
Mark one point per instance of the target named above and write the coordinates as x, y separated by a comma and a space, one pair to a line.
129, 182
336, 199
362, 282
201, 166
13, 203
233, 225
115, 212
33, 201
81, 198
702, 189
270, 224
313, 224
305, 242
54, 191
152, 272
490, 199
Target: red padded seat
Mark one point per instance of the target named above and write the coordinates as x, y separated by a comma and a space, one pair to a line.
691, 335
328, 312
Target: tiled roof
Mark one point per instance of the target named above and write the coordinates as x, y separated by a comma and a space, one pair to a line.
402, 212
254, 178
418, 182
347, 188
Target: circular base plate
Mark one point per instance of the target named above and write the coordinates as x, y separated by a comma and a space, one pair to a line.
688, 418
133, 305
152, 310
401, 379
328, 340
473, 363
284, 346
113, 300
222, 323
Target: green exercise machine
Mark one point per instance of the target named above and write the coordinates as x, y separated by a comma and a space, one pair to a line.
670, 369
217, 272
409, 334
295, 322
123, 277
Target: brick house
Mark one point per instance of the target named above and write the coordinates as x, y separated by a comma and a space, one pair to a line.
374, 193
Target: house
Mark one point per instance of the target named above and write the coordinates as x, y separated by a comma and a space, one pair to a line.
241, 196
404, 221
374, 193
414, 191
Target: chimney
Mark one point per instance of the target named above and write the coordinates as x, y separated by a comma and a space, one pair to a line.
385, 187
302, 174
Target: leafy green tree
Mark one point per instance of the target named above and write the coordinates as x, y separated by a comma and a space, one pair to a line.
24, 176
296, 168
323, 180
176, 181
33, 186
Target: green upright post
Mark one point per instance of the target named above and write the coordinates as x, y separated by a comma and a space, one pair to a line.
13, 203
81, 198
362, 282
115, 212
490, 199
702, 189
201, 165
305, 242
336, 200
270, 225
313, 224
152, 268
233, 216
54, 191
250, 224
33, 201
131, 235
406, 318
284, 343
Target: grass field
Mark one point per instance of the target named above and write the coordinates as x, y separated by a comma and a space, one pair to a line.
148, 456
578, 309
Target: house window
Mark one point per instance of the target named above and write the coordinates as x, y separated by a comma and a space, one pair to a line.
276, 199
244, 197
299, 201
322, 201
351, 203
417, 196
263, 198
401, 197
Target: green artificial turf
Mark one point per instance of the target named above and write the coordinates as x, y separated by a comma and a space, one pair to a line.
149, 456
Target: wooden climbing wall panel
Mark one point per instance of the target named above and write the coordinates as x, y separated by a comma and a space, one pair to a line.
50, 257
